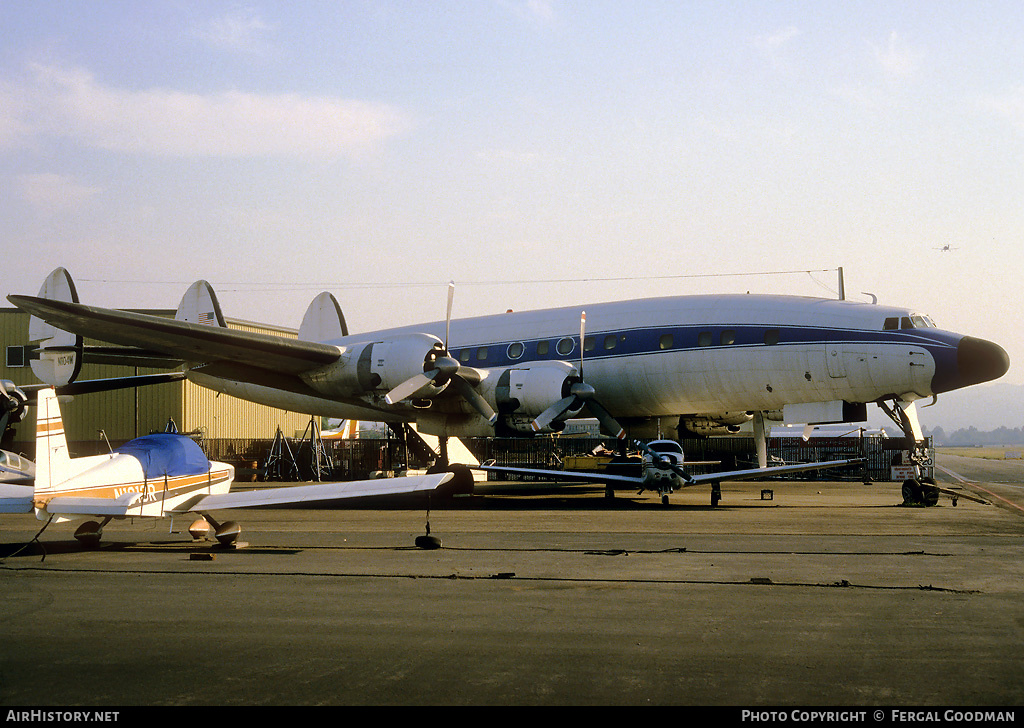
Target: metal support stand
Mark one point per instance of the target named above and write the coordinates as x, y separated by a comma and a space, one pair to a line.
280, 464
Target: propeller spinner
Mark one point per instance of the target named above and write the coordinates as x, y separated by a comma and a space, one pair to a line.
441, 368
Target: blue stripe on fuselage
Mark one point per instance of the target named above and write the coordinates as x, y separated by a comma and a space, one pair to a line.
631, 342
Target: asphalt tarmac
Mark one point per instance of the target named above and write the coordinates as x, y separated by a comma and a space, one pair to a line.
828, 594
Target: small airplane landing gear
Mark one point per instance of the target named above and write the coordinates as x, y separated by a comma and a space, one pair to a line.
226, 533
90, 533
716, 494
919, 492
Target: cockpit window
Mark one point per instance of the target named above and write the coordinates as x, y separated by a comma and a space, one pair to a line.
914, 321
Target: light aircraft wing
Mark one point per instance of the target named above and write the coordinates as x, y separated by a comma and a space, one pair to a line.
299, 494
15, 498
689, 480
188, 341
72, 506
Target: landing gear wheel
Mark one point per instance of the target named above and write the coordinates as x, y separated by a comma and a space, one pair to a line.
462, 483
664, 499
716, 494
912, 494
929, 493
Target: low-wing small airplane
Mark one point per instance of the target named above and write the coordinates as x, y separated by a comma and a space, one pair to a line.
709, 363
662, 470
157, 476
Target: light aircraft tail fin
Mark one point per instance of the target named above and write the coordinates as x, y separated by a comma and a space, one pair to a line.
60, 353
323, 320
53, 461
199, 305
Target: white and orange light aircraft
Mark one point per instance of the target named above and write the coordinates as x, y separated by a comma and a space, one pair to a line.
702, 363
157, 476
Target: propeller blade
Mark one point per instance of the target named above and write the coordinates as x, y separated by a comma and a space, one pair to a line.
607, 421
583, 329
552, 413
448, 315
410, 386
466, 390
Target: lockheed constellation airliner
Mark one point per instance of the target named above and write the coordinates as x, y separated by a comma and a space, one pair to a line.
700, 363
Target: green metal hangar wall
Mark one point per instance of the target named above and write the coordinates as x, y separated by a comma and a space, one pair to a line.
128, 413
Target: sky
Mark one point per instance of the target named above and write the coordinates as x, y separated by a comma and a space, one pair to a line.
535, 152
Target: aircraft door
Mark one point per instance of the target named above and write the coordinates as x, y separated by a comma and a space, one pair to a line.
835, 360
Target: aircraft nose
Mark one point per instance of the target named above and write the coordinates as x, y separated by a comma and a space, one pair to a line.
979, 361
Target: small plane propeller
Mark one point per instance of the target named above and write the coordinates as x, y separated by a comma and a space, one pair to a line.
663, 462
440, 368
580, 394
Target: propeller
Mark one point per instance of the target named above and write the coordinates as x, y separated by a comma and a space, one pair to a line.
12, 402
580, 393
662, 461
441, 368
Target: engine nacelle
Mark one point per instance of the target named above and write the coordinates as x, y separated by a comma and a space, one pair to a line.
378, 366
519, 394
726, 423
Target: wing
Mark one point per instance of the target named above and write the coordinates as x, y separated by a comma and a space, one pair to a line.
15, 498
188, 341
299, 494
734, 475
566, 475
73, 506
689, 480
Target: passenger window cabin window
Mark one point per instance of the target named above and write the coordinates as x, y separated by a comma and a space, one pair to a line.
588, 344
704, 338
565, 346
610, 341
771, 337
728, 337
515, 350
665, 342
543, 347
481, 353
465, 354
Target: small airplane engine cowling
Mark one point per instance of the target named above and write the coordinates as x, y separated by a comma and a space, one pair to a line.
379, 366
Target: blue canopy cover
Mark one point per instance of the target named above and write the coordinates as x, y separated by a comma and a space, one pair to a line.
168, 455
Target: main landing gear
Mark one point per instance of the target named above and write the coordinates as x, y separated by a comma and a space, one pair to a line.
921, 492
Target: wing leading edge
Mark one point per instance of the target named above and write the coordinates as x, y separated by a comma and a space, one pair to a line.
299, 494
722, 477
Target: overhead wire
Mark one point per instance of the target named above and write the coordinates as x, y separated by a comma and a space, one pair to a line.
335, 285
